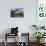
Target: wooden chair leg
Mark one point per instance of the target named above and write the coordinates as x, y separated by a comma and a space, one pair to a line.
17, 39
5, 43
5, 39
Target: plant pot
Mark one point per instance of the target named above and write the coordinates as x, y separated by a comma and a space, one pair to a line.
40, 41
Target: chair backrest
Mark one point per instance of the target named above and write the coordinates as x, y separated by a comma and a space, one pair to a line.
14, 30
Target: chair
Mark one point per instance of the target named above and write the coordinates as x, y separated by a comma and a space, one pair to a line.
26, 37
7, 35
14, 32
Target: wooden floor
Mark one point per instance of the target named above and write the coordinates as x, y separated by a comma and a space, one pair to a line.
13, 44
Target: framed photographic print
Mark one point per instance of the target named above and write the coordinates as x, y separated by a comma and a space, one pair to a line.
17, 12
41, 8
41, 12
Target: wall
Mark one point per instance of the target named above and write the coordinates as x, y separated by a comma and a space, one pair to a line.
24, 24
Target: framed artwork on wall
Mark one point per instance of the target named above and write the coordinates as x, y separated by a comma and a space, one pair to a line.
41, 8
17, 12
41, 12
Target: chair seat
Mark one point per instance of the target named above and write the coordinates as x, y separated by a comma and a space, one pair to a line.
9, 34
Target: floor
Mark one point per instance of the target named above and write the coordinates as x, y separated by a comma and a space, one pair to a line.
13, 44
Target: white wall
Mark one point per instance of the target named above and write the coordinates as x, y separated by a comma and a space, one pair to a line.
24, 24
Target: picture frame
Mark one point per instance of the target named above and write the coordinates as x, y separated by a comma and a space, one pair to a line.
17, 12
